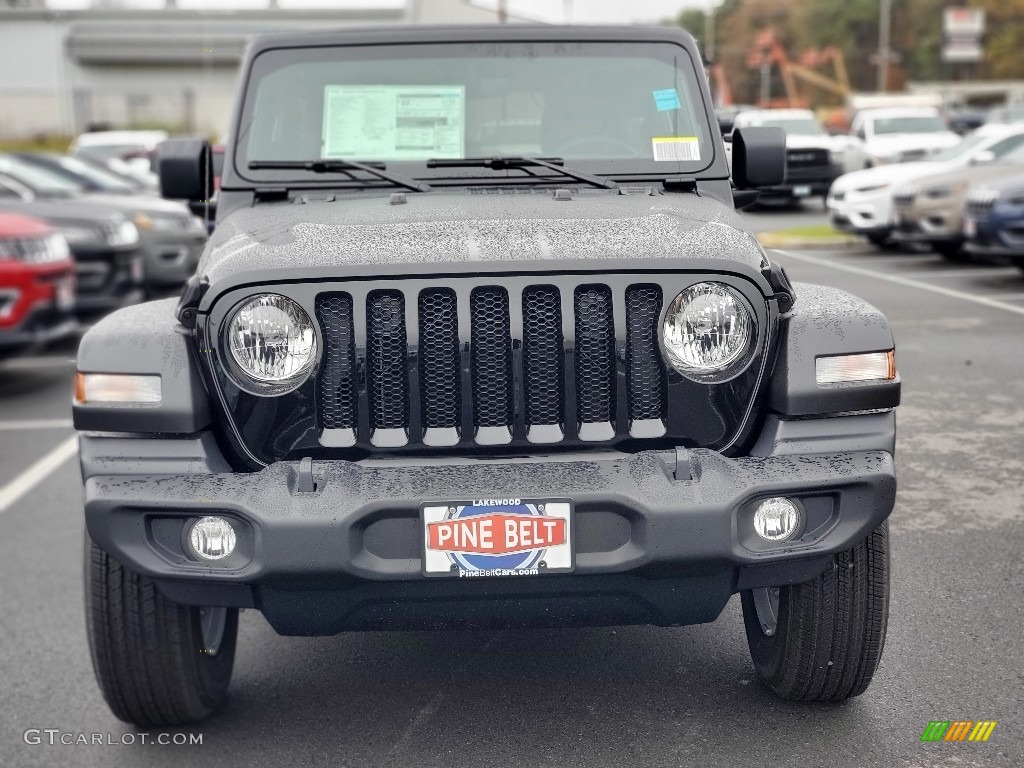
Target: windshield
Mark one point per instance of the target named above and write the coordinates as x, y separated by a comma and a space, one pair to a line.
109, 182
1005, 115
106, 151
917, 124
41, 181
76, 171
792, 126
960, 149
608, 107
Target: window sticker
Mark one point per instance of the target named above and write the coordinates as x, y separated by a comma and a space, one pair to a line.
676, 148
394, 122
667, 100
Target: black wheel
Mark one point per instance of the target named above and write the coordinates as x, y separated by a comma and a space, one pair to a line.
882, 241
822, 640
951, 252
158, 663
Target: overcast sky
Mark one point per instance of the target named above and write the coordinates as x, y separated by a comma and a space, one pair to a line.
551, 11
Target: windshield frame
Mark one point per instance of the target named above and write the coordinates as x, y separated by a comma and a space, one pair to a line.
640, 168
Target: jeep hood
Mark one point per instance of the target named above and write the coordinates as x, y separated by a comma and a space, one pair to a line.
458, 233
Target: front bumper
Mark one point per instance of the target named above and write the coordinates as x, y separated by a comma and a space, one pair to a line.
41, 325
860, 213
803, 182
108, 279
660, 537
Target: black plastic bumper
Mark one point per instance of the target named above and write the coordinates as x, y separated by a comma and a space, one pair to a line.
42, 325
660, 537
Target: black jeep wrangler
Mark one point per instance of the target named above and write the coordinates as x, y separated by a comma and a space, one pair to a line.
479, 340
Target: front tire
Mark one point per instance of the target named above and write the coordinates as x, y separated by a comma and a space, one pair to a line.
158, 663
828, 632
952, 252
882, 241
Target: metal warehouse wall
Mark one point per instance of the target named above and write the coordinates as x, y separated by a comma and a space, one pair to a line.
62, 71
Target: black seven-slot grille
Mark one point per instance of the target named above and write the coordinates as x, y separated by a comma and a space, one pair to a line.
497, 366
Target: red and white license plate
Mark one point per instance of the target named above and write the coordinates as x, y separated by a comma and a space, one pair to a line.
497, 537
970, 228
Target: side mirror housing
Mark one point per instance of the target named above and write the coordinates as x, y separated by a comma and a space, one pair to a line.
186, 169
985, 157
758, 157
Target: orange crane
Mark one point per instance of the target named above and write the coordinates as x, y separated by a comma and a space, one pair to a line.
768, 53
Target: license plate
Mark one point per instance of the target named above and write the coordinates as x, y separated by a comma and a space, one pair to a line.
802, 191
65, 294
497, 537
970, 228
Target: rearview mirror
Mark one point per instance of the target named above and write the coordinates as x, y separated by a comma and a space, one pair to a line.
186, 169
758, 157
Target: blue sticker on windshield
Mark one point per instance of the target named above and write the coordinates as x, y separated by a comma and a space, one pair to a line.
666, 99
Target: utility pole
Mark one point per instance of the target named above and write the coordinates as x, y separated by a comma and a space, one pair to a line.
502, 11
709, 31
884, 44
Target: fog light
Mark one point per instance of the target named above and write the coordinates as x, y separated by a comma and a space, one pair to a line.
776, 519
212, 538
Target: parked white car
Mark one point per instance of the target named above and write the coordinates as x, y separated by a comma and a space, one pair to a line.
813, 158
860, 203
126, 151
899, 135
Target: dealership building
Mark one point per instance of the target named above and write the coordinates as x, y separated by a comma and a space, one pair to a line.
161, 63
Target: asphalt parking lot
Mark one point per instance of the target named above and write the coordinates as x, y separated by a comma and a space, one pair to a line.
591, 697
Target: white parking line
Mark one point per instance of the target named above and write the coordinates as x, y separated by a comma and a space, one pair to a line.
21, 426
979, 271
899, 280
38, 472
36, 363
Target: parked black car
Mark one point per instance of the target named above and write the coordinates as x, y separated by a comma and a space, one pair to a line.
171, 237
497, 351
994, 220
104, 244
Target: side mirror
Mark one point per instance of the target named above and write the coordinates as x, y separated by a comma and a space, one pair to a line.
185, 169
985, 157
758, 157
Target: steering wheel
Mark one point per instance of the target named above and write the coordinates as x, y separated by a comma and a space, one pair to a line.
580, 145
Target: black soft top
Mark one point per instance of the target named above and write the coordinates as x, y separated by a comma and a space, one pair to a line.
511, 33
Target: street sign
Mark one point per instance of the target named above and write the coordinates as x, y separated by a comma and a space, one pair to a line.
963, 29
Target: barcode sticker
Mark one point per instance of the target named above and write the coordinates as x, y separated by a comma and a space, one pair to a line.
676, 148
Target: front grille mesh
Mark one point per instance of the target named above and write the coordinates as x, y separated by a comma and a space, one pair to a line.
440, 374
337, 382
430, 365
595, 354
543, 350
386, 370
491, 347
645, 376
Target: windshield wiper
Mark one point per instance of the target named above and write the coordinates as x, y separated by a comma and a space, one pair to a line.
502, 163
340, 166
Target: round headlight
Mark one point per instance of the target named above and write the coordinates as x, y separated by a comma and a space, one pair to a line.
273, 344
708, 332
